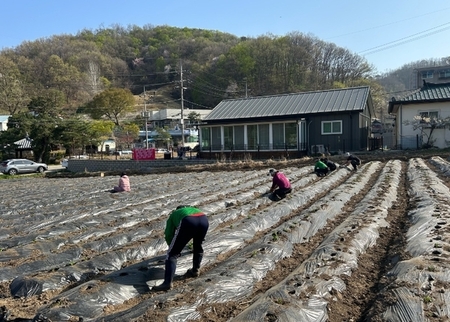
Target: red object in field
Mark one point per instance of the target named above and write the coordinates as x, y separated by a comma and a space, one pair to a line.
144, 154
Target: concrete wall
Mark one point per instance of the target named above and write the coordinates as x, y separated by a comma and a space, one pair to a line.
407, 113
93, 165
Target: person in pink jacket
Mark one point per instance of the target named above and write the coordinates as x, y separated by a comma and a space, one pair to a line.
280, 185
124, 184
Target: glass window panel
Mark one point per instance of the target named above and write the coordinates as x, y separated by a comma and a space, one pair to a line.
290, 132
252, 137
433, 115
278, 135
263, 136
336, 127
332, 127
215, 138
206, 140
239, 137
228, 137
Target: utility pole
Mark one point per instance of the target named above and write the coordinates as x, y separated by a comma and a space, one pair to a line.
182, 105
146, 120
246, 89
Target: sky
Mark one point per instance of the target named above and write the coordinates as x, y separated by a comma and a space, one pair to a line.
388, 34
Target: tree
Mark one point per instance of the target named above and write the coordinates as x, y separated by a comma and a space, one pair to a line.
163, 135
101, 131
13, 96
111, 103
63, 77
74, 133
426, 125
127, 134
194, 117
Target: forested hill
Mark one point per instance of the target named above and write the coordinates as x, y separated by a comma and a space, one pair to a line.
70, 70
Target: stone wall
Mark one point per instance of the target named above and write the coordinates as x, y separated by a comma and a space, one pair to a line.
94, 165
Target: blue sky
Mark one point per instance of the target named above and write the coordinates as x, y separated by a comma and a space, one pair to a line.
388, 34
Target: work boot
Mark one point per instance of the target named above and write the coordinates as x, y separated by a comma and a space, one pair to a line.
196, 261
191, 273
162, 287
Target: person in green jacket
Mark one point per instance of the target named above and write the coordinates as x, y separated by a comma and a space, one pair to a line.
321, 169
184, 223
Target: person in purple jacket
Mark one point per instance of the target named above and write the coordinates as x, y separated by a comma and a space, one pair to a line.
280, 184
184, 223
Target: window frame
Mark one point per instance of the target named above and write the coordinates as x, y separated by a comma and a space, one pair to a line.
427, 74
445, 73
323, 123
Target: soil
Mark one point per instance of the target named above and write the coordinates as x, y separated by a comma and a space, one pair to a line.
360, 301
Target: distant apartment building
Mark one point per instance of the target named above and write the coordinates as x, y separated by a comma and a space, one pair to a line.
435, 75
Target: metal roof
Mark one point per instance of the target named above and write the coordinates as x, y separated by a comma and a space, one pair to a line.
337, 100
429, 92
24, 143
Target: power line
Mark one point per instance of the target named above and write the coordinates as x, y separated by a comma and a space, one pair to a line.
405, 40
389, 24
206, 107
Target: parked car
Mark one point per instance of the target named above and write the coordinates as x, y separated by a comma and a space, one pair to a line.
15, 166
123, 152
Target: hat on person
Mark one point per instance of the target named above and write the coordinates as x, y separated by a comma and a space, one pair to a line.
123, 174
271, 172
347, 154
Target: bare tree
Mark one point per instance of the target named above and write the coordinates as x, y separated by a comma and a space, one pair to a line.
426, 125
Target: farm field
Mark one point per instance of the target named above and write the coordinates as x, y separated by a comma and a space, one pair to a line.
370, 245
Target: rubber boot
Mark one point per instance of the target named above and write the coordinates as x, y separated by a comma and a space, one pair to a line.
196, 261
169, 273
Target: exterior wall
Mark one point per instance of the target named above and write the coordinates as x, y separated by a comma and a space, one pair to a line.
108, 145
406, 136
4, 122
355, 131
94, 165
355, 128
217, 145
242, 156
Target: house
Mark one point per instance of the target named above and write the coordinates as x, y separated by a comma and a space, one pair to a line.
171, 119
4, 122
435, 75
289, 124
430, 101
23, 147
107, 146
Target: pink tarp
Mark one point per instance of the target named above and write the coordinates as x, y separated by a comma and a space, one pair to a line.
144, 154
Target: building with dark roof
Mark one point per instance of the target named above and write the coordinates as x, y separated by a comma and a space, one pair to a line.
432, 74
289, 124
431, 101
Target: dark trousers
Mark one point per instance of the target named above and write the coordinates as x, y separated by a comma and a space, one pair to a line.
355, 164
282, 192
191, 227
321, 172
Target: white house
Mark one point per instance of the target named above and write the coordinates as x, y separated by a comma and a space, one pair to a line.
107, 146
430, 101
4, 122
